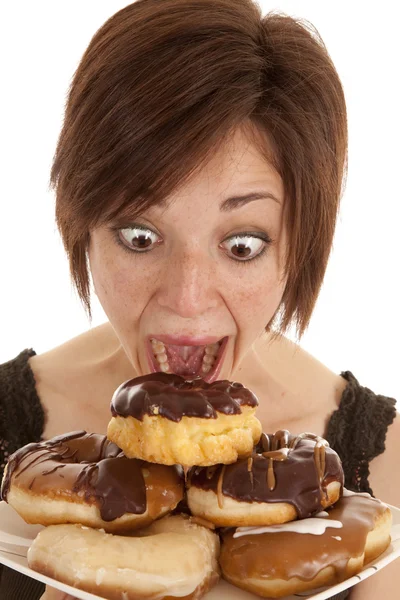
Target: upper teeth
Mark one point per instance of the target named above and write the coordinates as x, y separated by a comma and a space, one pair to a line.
208, 359
162, 358
160, 353
212, 349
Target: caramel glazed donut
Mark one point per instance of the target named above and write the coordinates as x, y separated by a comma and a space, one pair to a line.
166, 419
287, 477
84, 478
302, 555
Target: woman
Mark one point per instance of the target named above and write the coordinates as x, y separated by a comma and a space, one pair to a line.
198, 176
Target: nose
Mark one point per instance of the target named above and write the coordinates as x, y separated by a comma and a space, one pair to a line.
188, 284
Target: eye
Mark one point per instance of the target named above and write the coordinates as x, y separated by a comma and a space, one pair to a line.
245, 246
138, 238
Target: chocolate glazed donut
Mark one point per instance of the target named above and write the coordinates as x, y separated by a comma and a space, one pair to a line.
84, 478
165, 419
286, 477
173, 397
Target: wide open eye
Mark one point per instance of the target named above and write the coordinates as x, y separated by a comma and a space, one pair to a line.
245, 246
138, 238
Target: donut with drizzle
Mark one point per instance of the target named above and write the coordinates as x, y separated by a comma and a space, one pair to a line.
84, 478
163, 418
302, 555
287, 477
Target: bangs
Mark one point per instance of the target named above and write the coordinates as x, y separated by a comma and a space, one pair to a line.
170, 179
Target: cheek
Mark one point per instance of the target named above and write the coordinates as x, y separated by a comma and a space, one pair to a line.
259, 296
118, 285
260, 299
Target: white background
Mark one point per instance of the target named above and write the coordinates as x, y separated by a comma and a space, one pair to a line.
356, 323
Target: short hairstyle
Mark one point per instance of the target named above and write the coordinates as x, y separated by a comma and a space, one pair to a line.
158, 90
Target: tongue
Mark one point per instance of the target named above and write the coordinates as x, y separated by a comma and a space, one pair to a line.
185, 360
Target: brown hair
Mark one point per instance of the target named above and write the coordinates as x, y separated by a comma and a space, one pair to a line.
160, 88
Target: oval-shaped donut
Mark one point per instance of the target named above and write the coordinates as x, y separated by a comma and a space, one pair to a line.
84, 478
171, 558
286, 477
276, 561
165, 419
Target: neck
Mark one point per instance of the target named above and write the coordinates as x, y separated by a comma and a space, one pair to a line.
295, 390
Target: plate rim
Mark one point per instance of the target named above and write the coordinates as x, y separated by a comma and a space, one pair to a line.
324, 594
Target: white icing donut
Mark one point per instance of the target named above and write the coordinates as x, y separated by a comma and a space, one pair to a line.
173, 557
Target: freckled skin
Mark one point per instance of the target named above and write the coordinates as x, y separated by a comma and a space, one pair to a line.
188, 284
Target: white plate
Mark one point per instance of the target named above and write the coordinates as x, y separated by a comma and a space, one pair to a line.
16, 536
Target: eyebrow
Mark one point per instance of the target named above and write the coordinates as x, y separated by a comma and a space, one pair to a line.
234, 202
229, 204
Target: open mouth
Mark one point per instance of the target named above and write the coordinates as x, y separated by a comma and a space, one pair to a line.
190, 362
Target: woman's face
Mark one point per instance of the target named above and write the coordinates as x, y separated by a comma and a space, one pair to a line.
189, 287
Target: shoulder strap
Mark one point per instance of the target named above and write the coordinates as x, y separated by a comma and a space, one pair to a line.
357, 430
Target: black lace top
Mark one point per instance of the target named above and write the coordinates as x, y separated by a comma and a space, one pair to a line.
356, 431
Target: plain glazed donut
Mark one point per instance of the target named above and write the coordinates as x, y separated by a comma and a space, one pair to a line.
287, 477
288, 559
165, 419
171, 558
84, 478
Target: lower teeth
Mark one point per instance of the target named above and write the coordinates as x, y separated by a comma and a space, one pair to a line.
207, 365
164, 367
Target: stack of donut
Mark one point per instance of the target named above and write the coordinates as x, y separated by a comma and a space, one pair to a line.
269, 511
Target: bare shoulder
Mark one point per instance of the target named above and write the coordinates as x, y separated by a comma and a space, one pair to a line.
302, 370
76, 379
301, 373
316, 384
86, 347
299, 391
